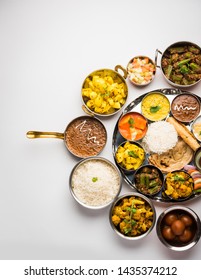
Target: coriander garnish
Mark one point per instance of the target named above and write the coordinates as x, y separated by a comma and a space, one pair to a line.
94, 179
132, 154
154, 109
131, 122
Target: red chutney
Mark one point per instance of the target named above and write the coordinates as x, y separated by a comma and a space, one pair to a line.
133, 126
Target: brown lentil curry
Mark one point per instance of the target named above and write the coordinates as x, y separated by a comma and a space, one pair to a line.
185, 107
85, 136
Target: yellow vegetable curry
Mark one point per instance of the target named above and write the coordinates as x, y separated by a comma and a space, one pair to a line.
155, 106
179, 184
104, 92
133, 216
130, 156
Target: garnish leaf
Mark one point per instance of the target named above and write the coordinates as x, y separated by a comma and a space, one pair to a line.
154, 109
131, 122
94, 179
132, 154
178, 178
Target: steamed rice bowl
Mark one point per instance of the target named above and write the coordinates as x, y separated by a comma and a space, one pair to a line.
161, 137
95, 182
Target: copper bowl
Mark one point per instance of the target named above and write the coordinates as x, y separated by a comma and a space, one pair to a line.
141, 70
104, 92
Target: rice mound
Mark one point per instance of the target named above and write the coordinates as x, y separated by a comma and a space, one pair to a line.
160, 137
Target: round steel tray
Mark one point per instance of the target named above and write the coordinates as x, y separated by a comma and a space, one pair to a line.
135, 105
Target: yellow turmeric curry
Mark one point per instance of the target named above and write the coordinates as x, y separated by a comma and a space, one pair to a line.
133, 216
179, 184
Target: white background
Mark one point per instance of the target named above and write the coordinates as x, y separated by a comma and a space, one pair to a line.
47, 48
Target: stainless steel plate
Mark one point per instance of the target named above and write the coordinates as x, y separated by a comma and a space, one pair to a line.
135, 105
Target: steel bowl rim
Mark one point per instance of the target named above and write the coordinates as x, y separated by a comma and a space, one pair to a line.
129, 194
193, 214
99, 158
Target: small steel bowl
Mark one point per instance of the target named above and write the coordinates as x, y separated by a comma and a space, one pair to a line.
196, 128
130, 128
181, 107
123, 152
121, 227
145, 185
177, 192
98, 95
95, 182
180, 80
186, 236
141, 70
155, 106
197, 158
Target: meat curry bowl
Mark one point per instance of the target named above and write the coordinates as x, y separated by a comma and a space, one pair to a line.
132, 216
181, 64
178, 228
84, 136
104, 91
95, 182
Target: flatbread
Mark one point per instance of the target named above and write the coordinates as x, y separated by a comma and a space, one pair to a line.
174, 159
184, 133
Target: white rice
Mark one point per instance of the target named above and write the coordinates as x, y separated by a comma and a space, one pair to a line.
95, 182
160, 137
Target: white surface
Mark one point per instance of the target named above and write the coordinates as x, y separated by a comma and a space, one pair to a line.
47, 49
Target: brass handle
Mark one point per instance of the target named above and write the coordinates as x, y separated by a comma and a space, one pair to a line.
40, 134
117, 67
85, 109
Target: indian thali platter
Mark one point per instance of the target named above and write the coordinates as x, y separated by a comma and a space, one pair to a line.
155, 144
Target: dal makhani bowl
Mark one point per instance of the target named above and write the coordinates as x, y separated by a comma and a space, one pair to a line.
155, 106
95, 182
132, 216
185, 107
85, 136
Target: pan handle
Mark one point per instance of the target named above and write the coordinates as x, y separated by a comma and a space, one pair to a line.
156, 57
40, 134
117, 67
84, 108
